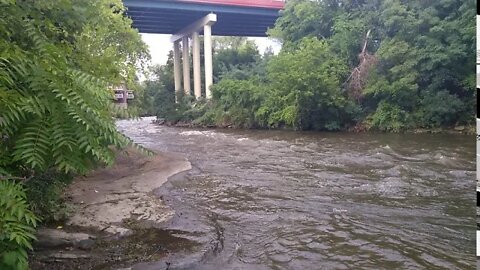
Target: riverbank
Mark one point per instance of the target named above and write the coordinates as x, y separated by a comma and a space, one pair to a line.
457, 130
117, 219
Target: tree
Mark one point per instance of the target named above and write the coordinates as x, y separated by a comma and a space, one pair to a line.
234, 55
306, 91
423, 73
302, 19
164, 97
58, 61
424, 49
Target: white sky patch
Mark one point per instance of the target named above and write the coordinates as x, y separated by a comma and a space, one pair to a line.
478, 32
478, 50
159, 46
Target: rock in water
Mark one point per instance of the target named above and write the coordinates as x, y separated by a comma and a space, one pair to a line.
86, 244
459, 128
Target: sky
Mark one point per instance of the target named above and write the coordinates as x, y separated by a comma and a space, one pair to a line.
478, 50
160, 45
478, 32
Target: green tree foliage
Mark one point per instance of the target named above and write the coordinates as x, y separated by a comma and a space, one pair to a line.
301, 91
425, 50
235, 58
159, 90
235, 103
306, 89
426, 65
44, 194
388, 65
164, 98
17, 226
58, 60
302, 19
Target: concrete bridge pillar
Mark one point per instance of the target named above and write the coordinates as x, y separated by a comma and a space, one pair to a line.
176, 66
197, 80
207, 36
193, 30
186, 65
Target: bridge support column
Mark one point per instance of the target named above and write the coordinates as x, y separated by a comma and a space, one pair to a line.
207, 36
176, 66
197, 80
194, 29
186, 65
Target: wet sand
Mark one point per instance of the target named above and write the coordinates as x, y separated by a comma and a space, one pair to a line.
118, 208
110, 195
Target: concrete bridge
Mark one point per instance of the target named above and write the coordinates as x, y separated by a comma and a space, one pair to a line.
186, 20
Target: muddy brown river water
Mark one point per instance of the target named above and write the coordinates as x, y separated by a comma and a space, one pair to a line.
259, 199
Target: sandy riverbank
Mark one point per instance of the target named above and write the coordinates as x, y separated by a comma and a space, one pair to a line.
108, 196
116, 207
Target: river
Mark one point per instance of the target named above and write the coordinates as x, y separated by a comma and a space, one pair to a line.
311, 200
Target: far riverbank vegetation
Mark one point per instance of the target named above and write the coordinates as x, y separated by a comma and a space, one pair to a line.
388, 65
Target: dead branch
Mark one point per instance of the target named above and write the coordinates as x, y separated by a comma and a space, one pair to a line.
358, 77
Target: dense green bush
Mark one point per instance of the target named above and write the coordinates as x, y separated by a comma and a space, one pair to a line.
17, 226
234, 58
441, 107
45, 194
236, 102
306, 89
389, 117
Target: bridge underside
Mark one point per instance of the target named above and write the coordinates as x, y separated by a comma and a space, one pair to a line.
185, 20
169, 17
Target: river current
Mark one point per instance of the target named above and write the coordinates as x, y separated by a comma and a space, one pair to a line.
262, 199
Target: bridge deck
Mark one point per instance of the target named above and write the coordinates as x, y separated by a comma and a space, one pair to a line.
235, 17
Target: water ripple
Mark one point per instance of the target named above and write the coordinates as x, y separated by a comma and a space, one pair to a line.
291, 200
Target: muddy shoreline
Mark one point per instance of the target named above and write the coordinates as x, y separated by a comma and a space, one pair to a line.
126, 218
